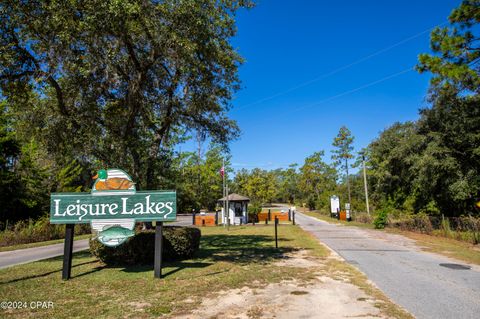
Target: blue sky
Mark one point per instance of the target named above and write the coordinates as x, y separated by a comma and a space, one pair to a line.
288, 43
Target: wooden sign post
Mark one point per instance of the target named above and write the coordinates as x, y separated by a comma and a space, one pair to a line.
157, 265
276, 232
112, 209
68, 251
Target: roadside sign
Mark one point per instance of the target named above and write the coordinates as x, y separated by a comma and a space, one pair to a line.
112, 208
347, 211
82, 208
334, 204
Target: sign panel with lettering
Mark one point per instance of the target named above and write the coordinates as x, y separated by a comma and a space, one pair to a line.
113, 206
334, 204
77, 208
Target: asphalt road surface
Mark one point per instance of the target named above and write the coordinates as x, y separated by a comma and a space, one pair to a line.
413, 279
23, 256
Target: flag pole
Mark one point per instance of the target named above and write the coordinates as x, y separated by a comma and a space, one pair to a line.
224, 191
228, 206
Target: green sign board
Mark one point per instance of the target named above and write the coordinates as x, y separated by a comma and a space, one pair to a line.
77, 208
113, 207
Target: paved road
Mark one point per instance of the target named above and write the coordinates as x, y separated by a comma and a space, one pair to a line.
411, 278
23, 256
182, 220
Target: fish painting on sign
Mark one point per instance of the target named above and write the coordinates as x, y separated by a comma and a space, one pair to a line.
114, 235
113, 232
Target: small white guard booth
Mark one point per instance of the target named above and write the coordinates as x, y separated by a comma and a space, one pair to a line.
237, 210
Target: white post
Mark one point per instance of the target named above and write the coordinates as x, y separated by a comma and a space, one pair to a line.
228, 208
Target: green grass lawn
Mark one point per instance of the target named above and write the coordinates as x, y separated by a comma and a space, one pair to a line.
227, 259
41, 243
242, 256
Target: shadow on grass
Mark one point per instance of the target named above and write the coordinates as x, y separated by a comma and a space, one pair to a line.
242, 249
176, 265
82, 254
239, 249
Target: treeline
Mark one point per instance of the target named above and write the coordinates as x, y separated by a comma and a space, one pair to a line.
311, 184
429, 166
432, 165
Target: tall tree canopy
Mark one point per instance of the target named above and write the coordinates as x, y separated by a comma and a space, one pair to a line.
199, 182
449, 166
455, 63
433, 165
317, 180
342, 152
115, 83
259, 185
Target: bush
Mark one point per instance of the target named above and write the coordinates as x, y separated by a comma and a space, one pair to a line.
253, 211
363, 218
381, 220
178, 243
311, 203
422, 223
417, 223
445, 227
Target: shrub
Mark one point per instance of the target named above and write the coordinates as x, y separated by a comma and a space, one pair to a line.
470, 225
178, 243
422, 223
464, 228
253, 211
363, 218
311, 203
445, 227
381, 220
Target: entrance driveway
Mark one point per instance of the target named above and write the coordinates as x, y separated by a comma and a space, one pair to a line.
425, 284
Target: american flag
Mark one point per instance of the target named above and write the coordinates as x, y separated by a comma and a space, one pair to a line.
222, 171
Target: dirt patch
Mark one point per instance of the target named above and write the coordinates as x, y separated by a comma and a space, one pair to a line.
300, 258
139, 305
324, 297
